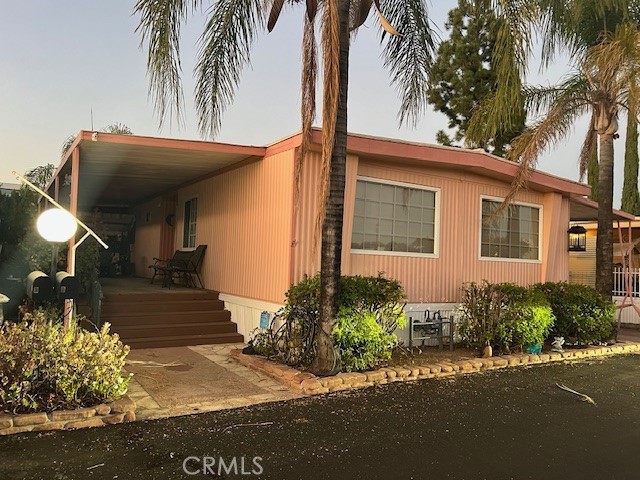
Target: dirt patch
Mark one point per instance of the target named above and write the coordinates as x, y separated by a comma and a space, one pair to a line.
178, 376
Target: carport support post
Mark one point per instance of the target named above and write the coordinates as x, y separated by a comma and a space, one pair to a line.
73, 209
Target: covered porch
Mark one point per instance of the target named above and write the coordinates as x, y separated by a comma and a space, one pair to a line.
125, 187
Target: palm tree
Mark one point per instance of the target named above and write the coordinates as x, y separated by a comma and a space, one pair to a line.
597, 86
225, 45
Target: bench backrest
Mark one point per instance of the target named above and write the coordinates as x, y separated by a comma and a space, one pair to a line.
188, 259
181, 259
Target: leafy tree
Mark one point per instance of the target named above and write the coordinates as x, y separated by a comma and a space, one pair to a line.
17, 224
119, 128
601, 38
630, 196
231, 28
462, 75
40, 176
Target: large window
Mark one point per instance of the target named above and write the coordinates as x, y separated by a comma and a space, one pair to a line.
394, 217
190, 217
513, 234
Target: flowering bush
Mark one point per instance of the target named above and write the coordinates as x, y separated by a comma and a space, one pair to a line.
44, 367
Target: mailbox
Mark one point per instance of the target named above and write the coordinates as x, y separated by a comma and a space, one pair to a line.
67, 286
39, 287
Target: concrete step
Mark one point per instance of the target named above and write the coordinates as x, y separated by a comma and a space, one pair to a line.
185, 340
166, 318
114, 307
164, 331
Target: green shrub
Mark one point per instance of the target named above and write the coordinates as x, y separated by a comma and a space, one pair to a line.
359, 344
503, 315
583, 316
361, 338
44, 367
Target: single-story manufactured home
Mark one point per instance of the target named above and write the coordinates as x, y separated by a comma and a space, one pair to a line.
419, 213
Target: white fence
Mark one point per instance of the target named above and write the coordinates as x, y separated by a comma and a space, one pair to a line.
619, 286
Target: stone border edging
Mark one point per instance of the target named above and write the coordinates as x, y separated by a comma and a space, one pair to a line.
118, 411
309, 384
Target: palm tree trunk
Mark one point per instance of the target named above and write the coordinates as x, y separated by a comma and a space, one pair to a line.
604, 240
593, 173
326, 361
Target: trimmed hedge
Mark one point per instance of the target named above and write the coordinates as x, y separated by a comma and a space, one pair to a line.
583, 316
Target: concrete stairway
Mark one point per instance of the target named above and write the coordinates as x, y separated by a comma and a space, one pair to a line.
147, 320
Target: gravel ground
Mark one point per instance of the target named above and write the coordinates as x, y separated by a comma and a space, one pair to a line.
505, 424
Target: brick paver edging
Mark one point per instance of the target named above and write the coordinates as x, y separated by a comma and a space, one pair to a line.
309, 384
118, 411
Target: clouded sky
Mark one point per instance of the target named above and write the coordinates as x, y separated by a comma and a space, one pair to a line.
61, 59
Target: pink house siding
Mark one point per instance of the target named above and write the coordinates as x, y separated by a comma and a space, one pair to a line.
436, 279
306, 259
148, 221
244, 218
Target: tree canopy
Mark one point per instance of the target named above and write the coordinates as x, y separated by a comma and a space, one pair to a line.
463, 75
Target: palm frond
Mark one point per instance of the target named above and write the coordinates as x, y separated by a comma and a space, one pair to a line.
574, 26
538, 99
224, 51
517, 20
160, 22
359, 12
528, 146
614, 63
408, 56
590, 142
274, 13
331, 90
308, 104
312, 9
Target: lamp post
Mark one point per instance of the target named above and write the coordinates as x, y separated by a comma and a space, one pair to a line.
60, 225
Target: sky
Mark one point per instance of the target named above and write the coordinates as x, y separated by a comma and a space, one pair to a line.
70, 64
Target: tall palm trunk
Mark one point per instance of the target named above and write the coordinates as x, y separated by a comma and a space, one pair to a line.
326, 362
604, 240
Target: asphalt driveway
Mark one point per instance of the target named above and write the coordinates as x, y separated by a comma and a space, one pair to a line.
505, 424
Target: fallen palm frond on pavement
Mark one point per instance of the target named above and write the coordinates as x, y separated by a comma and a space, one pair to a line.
583, 397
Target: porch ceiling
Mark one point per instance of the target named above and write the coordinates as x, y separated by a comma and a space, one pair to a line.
122, 170
585, 210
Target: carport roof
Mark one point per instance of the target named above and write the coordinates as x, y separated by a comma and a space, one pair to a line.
584, 210
118, 170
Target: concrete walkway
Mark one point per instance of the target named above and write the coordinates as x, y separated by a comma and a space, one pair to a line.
177, 381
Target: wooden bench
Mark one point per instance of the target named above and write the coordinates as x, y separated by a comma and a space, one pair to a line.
184, 264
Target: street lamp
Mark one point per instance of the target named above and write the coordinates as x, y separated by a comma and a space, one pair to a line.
55, 225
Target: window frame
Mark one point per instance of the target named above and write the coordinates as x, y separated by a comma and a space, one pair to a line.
436, 220
185, 222
540, 231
